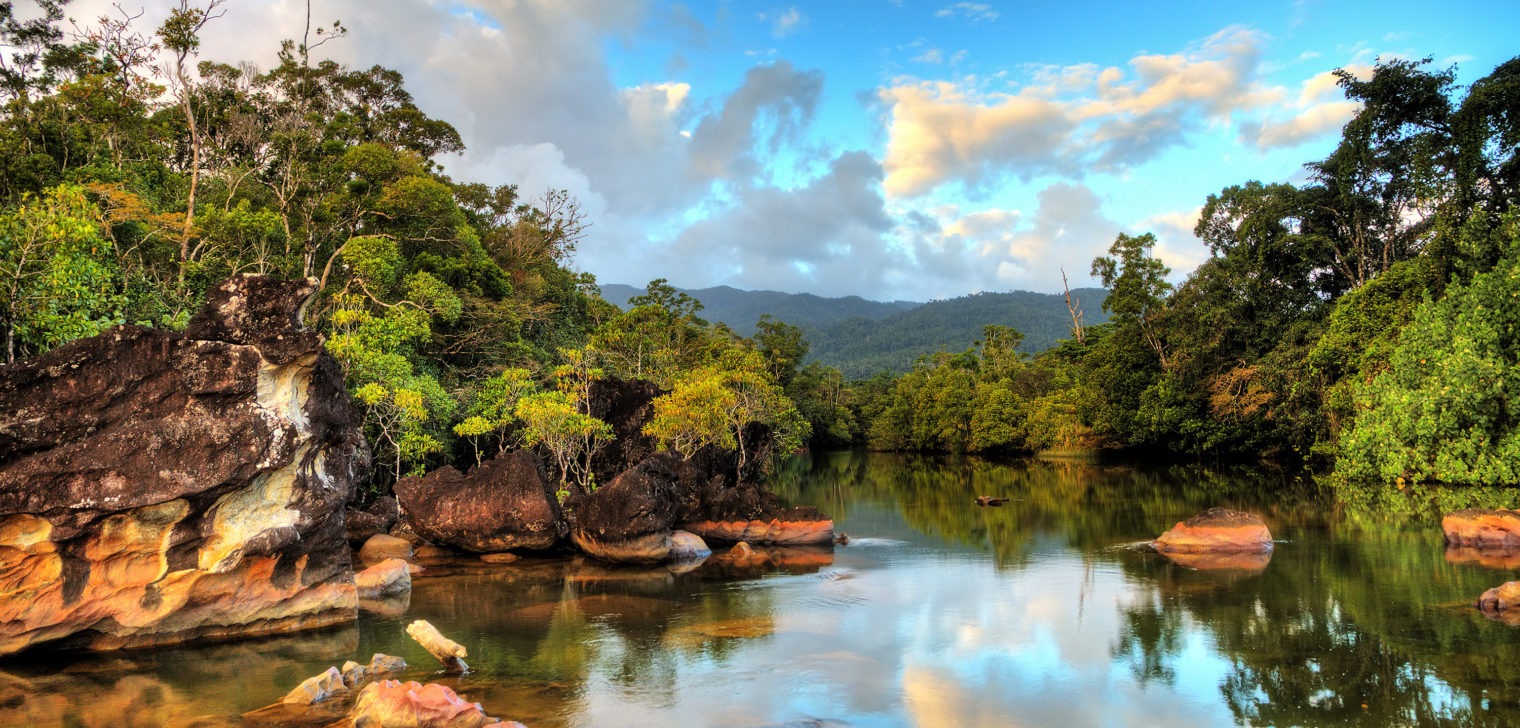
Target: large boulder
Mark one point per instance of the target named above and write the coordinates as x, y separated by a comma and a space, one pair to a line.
501, 505
1217, 530
158, 487
1486, 528
629, 520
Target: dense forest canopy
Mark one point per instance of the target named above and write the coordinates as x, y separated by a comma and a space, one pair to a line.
1366, 318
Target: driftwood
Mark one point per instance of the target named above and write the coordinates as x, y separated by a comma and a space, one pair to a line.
448, 652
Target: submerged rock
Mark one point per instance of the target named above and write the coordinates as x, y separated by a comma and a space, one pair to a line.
1217, 530
158, 487
502, 505
1483, 528
686, 546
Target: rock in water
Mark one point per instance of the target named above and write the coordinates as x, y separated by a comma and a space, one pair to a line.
1217, 530
1482, 528
395, 704
629, 520
158, 487
503, 504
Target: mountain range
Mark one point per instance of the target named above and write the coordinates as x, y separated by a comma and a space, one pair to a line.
863, 338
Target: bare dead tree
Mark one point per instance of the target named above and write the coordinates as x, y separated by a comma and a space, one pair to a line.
1073, 305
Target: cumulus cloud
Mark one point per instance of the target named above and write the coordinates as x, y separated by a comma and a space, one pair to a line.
776, 96
1070, 119
830, 229
996, 249
1320, 109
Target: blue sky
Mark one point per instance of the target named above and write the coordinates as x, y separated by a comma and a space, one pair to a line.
893, 149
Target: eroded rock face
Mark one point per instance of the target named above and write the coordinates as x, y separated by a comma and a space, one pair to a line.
158, 487
502, 505
1486, 528
1217, 530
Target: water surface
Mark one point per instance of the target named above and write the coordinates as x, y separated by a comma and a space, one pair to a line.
938, 613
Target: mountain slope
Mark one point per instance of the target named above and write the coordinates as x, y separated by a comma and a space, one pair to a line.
862, 338
741, 309
864, 348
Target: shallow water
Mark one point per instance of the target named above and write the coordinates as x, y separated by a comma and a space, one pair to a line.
938, 613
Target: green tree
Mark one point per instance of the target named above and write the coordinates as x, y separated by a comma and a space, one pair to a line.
553, 421
1137, 287
57, 278
1446, 410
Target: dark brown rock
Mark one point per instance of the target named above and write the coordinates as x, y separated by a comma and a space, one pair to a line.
629, 520
502, 505
627, 406
157, 487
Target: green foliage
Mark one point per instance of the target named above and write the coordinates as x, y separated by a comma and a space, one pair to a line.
717, 404
554, 421
1445, 411
58, 280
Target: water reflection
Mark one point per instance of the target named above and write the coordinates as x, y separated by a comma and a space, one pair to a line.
938, 613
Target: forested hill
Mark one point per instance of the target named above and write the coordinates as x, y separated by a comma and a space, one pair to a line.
862, 338
860, 348
741, 309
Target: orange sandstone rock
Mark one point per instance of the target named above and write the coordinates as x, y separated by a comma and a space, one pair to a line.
774, 531
1483, 527
394, 704
1216, 530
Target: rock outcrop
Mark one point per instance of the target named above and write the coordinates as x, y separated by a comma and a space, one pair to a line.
1485, 528
504, 504
158, 487
1217, 530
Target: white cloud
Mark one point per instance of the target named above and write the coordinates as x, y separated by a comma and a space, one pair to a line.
971, 11
788, 22
1320, 109
1176, 246
1071, 119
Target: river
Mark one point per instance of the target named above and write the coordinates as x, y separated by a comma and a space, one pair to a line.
1042, 612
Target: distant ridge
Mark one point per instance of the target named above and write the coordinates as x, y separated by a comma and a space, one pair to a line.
863, 338
741, 309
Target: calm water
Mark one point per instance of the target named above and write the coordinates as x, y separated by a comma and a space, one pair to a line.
938, 613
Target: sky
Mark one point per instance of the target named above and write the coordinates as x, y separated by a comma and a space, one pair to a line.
890, 149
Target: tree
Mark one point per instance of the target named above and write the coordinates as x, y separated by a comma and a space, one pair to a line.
717, 404
180, 34
1137, 287
782, 346
553, 421
494, 408
57, 281
1448, 408
1376, 194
